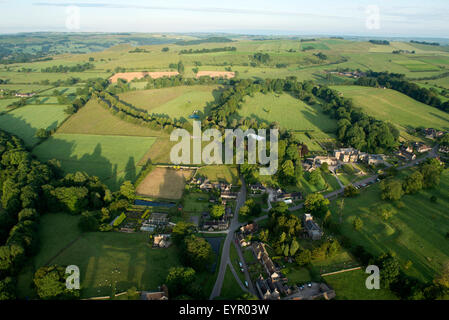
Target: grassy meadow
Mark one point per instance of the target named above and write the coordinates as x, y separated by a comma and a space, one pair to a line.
95, 120
25, 121
393, 106
416, 232
97, 155
176, 102
289, 112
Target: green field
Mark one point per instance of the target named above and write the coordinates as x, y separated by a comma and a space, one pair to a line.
230, 289
97, 155
416, 65
416, 232
289, 112
351, 286
393, 106
311, 143
176, 102
217, 173
25, 121
4, 103
94, 119
125, 260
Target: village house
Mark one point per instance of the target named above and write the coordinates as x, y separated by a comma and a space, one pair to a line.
321, 291
311, 227
257, 188
228, 195
161, 241
421, 147
289, 196
431, 133
444, 149
215, 225
319, 160
261, 254
350, 155
25, 95
249, 228
162, 294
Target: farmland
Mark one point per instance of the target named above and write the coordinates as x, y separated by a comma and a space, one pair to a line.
25, 121
178, 102
164, 183
395, 107
94, 119
114, 142
97, 155
289, 112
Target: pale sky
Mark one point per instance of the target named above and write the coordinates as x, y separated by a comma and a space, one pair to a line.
328, 17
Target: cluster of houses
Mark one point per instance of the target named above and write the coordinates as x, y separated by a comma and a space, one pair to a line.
432, 134
350, 74
225, 189
274, 285
344, 155
408, 152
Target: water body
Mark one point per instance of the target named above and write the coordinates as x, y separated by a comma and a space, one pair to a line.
215, 244
148, 203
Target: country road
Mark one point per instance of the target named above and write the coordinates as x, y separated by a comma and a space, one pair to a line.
241, 198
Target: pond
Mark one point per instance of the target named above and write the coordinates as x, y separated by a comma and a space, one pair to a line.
148, 203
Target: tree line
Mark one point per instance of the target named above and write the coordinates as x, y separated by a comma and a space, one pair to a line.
205, 50
64, 69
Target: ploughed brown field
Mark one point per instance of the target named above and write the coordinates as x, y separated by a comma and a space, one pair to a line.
164, 183
216, 74
128, 76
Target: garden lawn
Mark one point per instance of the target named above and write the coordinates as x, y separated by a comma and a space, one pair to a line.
230, 289
220, 173
113, 159
351, 286
25, 121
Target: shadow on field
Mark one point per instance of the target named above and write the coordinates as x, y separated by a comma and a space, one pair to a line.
19, 127
94, 164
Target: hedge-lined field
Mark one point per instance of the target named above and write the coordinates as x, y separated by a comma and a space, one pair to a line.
112, 158
25, 121
393, 106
